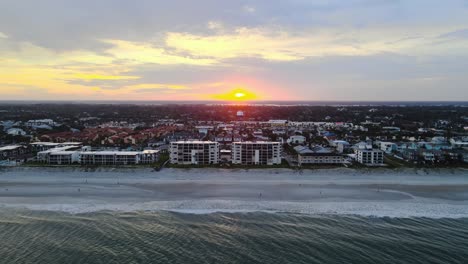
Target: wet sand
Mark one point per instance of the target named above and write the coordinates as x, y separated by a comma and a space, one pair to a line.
406, 192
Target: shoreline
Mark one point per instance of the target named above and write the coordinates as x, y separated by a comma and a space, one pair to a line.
431, 193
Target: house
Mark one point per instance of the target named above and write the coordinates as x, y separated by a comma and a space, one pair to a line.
428, 156
340, 145
16, 132
40, 123
296, 139
388, 147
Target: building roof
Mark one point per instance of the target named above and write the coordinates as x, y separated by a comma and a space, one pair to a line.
369, 150
119, 153
257, 142
53, 150
63, 152
194, 142
321, 154
12, 147
45, 143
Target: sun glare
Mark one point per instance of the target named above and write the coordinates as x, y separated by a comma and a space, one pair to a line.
237, 94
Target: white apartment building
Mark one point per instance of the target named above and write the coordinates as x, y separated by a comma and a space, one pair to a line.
194, 152
44, 156
118, 157
256, 153
320, 158
63, 157
42, 146
370, 157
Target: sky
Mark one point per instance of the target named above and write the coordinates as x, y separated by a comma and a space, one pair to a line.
331, 50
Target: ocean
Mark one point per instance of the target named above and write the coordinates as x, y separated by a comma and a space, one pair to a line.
28, 236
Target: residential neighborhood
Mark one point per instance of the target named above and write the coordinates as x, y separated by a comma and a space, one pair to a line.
373, 137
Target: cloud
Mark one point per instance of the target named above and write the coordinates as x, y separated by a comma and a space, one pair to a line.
87, 76
144, 52
155, 91
276, 44
248, 9
215, 25
457, 34
153, 86
298, 49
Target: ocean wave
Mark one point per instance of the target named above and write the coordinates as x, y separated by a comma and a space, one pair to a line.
429, 209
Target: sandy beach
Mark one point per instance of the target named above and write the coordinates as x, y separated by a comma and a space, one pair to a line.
373, 192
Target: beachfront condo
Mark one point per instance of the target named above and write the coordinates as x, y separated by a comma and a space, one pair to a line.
194, 152
256, 153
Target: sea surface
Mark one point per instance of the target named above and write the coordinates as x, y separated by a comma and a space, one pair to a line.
243, 237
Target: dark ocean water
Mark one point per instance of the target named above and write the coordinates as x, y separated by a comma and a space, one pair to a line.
168, 237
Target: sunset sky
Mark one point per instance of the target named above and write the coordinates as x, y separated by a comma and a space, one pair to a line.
234, 50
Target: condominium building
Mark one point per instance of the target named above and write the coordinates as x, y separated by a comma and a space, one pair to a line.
43, 146
45, 156
256, 153
62, 157
370, 157
317, 155
194, 152
320, 158
118, 157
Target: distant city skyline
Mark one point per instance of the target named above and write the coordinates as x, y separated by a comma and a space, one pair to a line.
299, 50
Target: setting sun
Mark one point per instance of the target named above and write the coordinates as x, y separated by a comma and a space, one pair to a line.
238, 94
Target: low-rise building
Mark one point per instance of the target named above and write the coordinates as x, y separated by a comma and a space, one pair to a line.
317, 155
370, 157
320, 158
42, 146
12, 152
256, 153
194, 152
63, 157
118, 157
44, 156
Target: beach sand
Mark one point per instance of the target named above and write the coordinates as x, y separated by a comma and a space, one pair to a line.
372, 192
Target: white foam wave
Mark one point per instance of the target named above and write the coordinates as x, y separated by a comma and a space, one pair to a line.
371, 208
